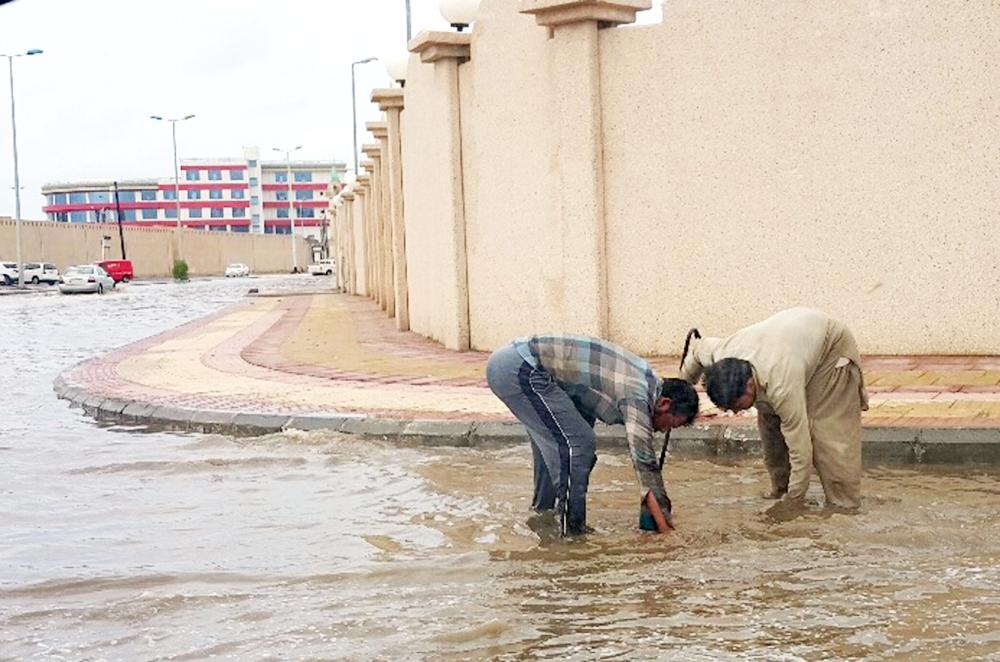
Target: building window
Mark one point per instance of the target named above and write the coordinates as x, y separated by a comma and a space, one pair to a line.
253, 182
126, 196
268, 229
216, 213
252, 163
149, 214
147, 195
254, 200
239, 228
236, 175
218, 228
215, 194
170, 213
77, 216
303, 176
236, 194
303, 195
282, 212
77, 198
194, 195
169, 194
281, 195
58, 198
194, 212
281, 177
191, 175
215, 175
255, 219
129, 214
239, 212
100, 196
306, 213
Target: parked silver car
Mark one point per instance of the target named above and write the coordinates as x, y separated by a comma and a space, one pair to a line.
86, 278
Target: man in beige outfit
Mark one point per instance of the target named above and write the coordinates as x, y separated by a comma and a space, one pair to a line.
801, 369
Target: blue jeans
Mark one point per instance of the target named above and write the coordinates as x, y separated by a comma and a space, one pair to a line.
563, 443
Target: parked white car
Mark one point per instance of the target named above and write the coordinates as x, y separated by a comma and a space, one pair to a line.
237, 270
8, 272
40, 272
86, 278
322, 268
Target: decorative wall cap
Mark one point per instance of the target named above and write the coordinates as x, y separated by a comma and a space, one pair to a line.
364, 179
347, 195
433, 46
369, 166
378, 129
388, 97
372, 150
607, 13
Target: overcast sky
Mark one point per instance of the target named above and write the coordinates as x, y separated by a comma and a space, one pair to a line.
254, 72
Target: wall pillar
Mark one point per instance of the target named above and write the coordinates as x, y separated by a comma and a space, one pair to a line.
446, 51
390, 100
573, 26
381, 132
371, 166
350, 284
371, 185
361, 233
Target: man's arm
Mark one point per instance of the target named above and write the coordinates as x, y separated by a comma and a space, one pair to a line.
791, 409
645, 458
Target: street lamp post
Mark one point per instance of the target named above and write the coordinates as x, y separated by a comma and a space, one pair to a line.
354, 109
291, 208
177, 184
17, 176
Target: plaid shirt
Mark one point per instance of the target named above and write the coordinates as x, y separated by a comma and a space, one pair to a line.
608, 383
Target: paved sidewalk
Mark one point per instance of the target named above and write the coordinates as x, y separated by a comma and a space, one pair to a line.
335, 361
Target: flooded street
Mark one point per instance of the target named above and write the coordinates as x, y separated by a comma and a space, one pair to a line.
118, 543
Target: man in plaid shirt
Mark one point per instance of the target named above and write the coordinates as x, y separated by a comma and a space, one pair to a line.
558, 386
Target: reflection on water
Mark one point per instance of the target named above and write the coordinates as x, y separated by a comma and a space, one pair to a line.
123, 544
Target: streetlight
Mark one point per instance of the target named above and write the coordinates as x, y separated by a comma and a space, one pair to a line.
17, 178
354, 108
291, 209
177, 185
459, 13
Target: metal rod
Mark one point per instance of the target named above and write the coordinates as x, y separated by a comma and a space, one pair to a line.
354, 119
118, 216
17, 179
409, 24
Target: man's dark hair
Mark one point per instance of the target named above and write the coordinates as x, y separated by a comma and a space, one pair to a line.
726, 381
683, 398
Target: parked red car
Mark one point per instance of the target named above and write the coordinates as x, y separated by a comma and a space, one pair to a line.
119, 270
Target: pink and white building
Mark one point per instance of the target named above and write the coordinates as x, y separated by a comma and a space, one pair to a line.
226, 195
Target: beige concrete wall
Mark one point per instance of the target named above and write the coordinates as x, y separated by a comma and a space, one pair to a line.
150, 249
842, 155
752, 156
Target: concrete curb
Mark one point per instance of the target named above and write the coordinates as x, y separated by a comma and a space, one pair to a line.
881, 445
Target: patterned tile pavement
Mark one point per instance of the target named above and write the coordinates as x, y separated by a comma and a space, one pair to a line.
336, 354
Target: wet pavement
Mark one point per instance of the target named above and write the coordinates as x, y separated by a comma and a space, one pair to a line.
118, 543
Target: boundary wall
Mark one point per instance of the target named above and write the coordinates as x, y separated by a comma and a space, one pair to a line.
151, 250
563, 170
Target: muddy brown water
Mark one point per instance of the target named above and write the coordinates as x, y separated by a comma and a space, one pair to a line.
123, 544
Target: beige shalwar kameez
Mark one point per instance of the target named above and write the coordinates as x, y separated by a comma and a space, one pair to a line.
810, 394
